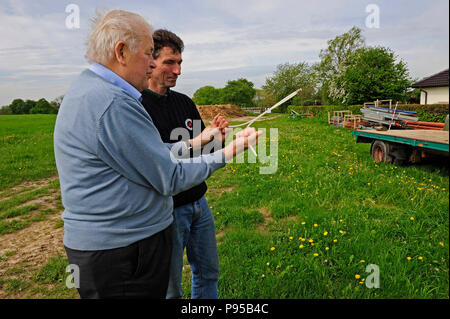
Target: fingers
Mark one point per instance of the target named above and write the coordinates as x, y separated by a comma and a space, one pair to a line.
223, 124
244, 139
252, 138
249, 139
246, 132
215, 121
219, 122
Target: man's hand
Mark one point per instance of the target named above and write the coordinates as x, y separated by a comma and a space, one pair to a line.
244, 139
215, 131
221, 124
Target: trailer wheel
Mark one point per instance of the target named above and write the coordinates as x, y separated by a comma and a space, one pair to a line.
380, 152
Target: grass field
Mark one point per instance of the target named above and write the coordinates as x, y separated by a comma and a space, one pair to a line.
307, 231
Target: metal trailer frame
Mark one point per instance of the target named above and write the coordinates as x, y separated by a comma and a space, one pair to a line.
411, 146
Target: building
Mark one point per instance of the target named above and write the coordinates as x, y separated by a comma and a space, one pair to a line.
434, 89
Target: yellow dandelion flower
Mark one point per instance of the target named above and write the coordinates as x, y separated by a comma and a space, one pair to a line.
301, 246
341, 220
303, 223
311, 240
411, 218
420, 257
312, 244
315, 225
272, 249
357, 276
409, 258
325, 233
335, 241
316, 254
327, 248
441, 243
362, 261
290, 237
341, 231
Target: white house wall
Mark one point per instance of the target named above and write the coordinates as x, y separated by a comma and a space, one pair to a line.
435, 95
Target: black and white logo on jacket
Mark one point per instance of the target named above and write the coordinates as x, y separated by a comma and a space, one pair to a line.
188, 124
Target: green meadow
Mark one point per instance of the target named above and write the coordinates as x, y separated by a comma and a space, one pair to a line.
328, 223
26, 148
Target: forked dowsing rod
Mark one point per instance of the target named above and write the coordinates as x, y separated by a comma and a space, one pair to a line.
290, 96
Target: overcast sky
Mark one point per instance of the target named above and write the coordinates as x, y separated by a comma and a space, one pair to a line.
224, 39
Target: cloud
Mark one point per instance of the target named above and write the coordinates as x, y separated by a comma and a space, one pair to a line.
224, 40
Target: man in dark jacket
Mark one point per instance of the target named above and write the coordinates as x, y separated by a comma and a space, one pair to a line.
193, 222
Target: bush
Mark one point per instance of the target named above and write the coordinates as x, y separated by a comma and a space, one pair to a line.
5, 110
428, 113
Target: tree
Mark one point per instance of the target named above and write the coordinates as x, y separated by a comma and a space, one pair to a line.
413, 96
17, 106
5, 110
56, 103
288, 78
207, 95
239, 92
29, 104
372, 73
334, 60
43, 107
264, 99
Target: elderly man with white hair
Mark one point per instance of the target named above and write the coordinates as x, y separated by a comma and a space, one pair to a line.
117, 177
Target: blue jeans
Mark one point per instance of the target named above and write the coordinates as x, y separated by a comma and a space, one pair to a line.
194, 230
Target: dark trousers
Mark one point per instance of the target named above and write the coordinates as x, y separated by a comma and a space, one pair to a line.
140, 270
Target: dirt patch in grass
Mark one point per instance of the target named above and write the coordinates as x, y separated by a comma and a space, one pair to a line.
32, 245
26, 186
290, 218
220, 234
266, 214
220, 191
24, 251
261, 228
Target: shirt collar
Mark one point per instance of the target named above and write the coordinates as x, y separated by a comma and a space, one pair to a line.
159, 96
115, 79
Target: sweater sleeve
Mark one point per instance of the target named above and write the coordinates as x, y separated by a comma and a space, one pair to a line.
129, 142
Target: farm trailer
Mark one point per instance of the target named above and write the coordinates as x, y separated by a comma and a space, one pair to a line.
401, 146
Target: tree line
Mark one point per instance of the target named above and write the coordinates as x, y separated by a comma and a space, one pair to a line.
42, 106
349, 72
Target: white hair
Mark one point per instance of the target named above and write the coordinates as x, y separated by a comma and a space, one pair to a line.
111, 27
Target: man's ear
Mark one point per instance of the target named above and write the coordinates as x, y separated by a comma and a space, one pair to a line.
121, 52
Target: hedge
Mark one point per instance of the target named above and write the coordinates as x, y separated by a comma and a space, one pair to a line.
425, 113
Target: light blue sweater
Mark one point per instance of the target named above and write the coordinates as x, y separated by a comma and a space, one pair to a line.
117, 177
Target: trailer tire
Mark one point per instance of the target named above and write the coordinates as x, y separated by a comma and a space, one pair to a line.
380, 152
